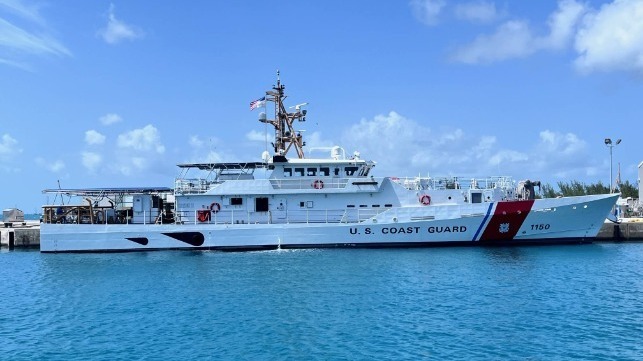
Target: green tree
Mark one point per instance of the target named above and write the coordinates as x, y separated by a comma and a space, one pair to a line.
548, 191
574, 188
629, 190
598, 188
577, 188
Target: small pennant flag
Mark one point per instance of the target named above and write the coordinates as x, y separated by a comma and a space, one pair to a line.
257, 103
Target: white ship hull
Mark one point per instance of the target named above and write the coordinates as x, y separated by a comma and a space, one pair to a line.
570, 219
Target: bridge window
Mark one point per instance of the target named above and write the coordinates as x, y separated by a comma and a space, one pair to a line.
236, 201
311, 172
324, 171
287, 172
351, 170
299, 172
336, 171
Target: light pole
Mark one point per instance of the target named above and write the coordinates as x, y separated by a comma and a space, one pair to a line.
611, 145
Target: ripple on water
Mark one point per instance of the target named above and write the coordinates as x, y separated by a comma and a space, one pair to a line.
445, 303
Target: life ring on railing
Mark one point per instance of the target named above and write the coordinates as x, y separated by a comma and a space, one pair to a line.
215, 207
425, 199
318, 184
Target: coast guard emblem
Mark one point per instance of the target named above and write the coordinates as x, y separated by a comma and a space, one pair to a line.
504, 228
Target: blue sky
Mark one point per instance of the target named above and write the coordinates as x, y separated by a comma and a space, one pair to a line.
98, 93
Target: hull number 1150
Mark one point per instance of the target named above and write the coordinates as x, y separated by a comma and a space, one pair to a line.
540, 227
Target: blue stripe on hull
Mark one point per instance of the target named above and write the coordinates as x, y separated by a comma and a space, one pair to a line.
484, 221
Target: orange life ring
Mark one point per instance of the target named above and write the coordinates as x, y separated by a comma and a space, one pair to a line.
425, 199
215, 207
318, 184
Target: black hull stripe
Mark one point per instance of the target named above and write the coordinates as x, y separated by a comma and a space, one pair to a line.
140, 240
192, 238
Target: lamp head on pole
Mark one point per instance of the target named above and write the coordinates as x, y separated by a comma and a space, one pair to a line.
608, 141
618, 142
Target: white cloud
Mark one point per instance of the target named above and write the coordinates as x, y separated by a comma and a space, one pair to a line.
91, 160
314, 140
561, 144
116, 30
512, 39
30, 38
563, 155
207, 151
110, 118
427, 11
516, 39
612, 38
139, 162
93, 137
213, 157
143, 139
25, 11
563, 24
21, 40
196, 142
55, 166
479, 11
8, 146
256, 136
404, 147
16, 64
507, 156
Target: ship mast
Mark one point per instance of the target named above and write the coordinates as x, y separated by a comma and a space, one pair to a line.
286, 136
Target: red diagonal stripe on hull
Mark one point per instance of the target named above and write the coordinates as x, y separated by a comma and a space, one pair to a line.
508, 214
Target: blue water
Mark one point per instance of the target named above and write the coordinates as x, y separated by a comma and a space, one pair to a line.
528, 303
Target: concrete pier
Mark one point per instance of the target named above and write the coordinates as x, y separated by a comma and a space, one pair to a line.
630, 229
21, 236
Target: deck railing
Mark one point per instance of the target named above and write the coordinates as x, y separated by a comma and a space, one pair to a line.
430, 183
278, 217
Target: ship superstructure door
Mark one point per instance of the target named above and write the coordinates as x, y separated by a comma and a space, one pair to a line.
146, 208
279, 210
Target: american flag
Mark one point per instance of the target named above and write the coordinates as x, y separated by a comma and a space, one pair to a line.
257, 103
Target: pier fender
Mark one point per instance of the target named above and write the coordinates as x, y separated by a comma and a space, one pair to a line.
192, 238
